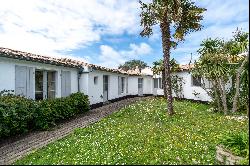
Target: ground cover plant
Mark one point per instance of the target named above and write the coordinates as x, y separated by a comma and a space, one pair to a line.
141, 133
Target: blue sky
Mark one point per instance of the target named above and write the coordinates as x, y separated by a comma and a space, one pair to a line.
106, 32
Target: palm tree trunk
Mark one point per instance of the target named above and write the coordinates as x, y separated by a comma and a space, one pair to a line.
237, 85
223, 94
166, 45
217, 98
164, 83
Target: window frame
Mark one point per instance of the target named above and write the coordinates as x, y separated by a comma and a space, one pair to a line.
198, 79
156, 83
122, 84
46, 83
95, 80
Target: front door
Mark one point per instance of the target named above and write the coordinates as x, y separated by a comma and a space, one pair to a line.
105, 88
140, 86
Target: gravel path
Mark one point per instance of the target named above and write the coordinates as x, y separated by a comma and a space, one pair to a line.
13, 150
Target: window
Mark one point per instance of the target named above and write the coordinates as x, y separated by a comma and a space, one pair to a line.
196, 81
39, 85
127, 85
45, 84
155, 82
123, 84
95, 80
51, 84
160, 83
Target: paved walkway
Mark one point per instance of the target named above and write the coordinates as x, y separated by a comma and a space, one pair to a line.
13, 150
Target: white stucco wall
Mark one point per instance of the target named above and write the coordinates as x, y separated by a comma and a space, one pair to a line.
189, 89
133, 85
7, 74
147, 85
96, 91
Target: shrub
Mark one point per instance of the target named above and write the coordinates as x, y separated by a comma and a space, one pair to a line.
19, 115
16, 114
52, 110
238, 143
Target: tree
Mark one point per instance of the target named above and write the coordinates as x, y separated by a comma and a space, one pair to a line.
221, 61
131, 65
183, 16
212, 65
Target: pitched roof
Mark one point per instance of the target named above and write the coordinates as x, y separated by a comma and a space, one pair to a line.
67, 62
186, 67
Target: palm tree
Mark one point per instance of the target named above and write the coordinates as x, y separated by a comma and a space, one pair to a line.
183, 16
158, 68
132, 64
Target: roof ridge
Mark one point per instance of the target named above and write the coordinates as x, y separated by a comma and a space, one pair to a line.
69, 62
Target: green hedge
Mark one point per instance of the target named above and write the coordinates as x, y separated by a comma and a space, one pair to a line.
19, 115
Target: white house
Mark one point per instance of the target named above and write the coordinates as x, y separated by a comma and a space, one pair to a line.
191, 86
40, 77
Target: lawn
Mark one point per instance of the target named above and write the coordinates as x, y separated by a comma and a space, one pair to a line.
143, 133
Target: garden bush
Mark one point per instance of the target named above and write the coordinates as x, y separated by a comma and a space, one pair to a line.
52, 110
16, 114
19, 115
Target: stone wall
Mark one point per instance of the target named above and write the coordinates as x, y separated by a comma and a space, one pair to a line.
225, 156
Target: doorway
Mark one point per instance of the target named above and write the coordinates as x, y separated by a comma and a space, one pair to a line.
140, 86
105, 88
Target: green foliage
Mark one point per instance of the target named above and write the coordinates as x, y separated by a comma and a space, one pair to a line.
131, 65
6, 92
158, 66
237, 142
177, 85
184, 15
219, 61
16, 114
19, 115
142, 134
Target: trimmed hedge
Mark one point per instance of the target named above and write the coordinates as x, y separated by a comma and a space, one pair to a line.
19, 115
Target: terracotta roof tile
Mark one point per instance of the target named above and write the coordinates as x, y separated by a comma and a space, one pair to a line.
186, 67
10, 53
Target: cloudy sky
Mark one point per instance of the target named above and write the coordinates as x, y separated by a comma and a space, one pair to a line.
106, 32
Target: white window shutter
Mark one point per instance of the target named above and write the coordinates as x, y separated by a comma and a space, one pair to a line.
66, 83
30, 83
21, 80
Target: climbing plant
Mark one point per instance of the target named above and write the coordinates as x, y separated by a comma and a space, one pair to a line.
177, 85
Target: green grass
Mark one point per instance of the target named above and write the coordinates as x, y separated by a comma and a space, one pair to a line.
143, 133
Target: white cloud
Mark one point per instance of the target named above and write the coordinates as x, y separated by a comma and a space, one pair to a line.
50, 27
224, 12
220, 20
112, 58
